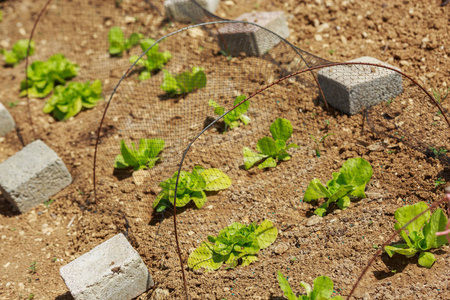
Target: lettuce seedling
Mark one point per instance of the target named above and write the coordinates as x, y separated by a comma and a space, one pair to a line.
270, 150
421, 234
235, 244
117, 42
191, 186
323, 289
144, 157
185, 82
44, 76
155, 60
18, 52
69, 100
232, 118
351, 180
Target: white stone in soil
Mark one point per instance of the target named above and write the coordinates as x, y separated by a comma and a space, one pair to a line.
313, 220
7, 123
350, 88
187, 11
160, 294
235, 38
32, 176
112, 270
281, 248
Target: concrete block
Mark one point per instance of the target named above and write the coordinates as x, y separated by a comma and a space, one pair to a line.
112, 270
187, 11
32, 176
351, 88
7, 123
255, 41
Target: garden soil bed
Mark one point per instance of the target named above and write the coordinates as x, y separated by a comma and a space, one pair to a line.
409, 35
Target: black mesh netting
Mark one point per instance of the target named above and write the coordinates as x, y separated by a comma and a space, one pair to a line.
280, 83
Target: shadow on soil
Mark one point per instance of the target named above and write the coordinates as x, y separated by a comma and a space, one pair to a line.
6, 208
122, 174
66, 296
393, 265
157, 218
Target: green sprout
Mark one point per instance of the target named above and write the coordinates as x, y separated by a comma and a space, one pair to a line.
439, 152
48, 202
438, 96
439, 181
320, 141
33, 267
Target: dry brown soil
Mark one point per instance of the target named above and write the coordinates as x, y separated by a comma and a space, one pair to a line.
411, 35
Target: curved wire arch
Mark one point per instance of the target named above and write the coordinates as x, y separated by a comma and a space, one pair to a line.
253, 95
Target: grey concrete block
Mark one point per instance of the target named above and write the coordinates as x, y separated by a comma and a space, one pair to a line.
350, 88
7, 123
253, 40
112, 270
32, 175
186, 11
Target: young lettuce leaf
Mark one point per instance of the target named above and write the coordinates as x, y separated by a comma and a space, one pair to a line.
117, 42
154, 61
44, 76
233, 117
185, 82
69, 100
421, 234
143, 157
235, 244
191, 186
18, 52
323, 289
271, 149
351, 180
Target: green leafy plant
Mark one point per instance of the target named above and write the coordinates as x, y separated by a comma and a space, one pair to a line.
154, 61
271, 149
191, 186
18, 52
44, 76
235, 244
421, 234
185, 82
117, 42
143, 157
69, 100
351, 180
322, 289
232, 118
320, 141
437, 152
